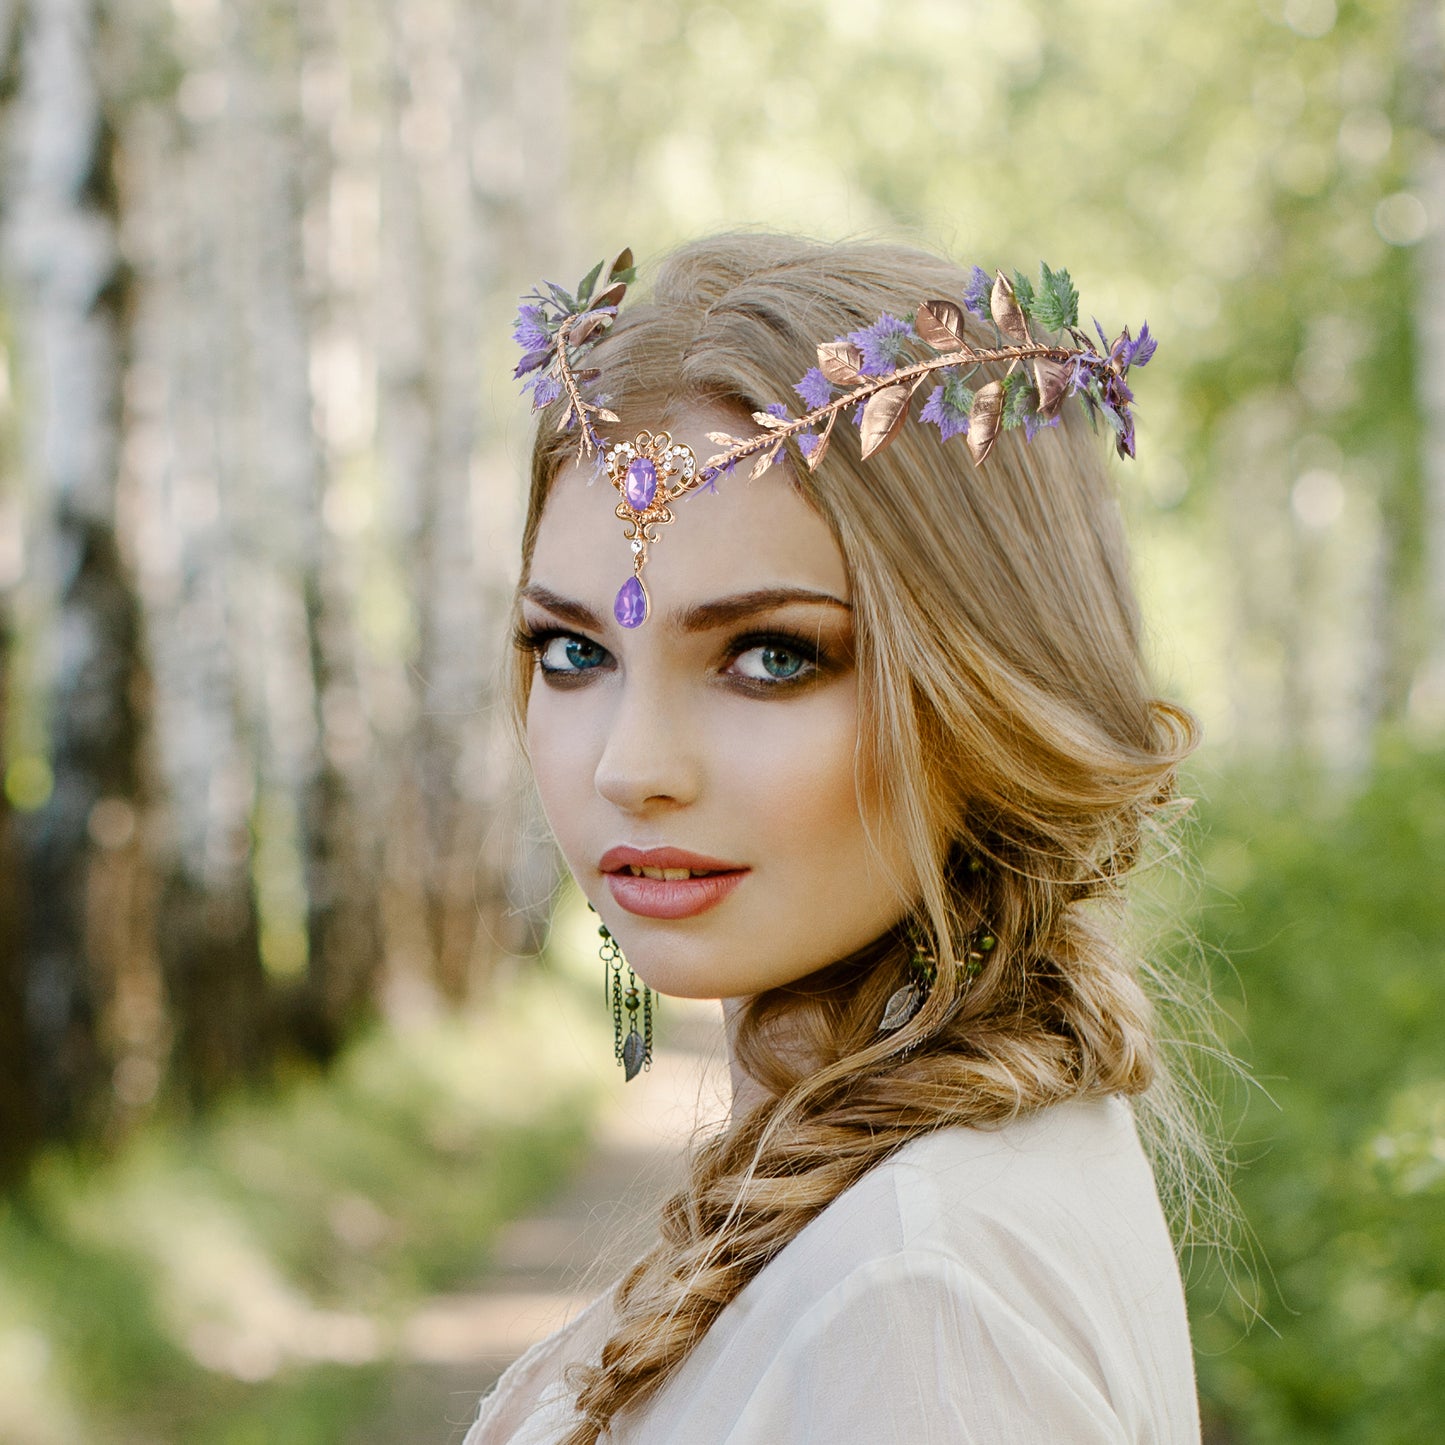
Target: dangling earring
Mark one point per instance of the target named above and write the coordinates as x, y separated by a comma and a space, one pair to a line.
634, 1052
904, 1002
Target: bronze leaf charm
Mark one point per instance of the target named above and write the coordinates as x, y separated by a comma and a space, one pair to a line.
764, 462
940, 324
1008, 315
588, 327
883, 416
984, 418
821, 450
1053, 383
612, 296
840, 361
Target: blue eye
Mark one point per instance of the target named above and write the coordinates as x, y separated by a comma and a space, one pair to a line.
771, 662
564, 652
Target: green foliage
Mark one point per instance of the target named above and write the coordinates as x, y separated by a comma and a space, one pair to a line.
243, 1278
1056, 303
1024, 290
1018, 399
584, 288
1334, 923
957, 394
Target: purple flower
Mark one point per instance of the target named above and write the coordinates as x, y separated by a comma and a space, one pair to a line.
884, 344
948, 406
978, 293
1138, 351
815, 389
530, 330
545, 390
530, 362
1034, 423
778, 410
808, 442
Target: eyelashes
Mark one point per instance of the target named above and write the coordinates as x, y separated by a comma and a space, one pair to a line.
786, 661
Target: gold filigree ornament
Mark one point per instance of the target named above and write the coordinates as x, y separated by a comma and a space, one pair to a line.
649, 472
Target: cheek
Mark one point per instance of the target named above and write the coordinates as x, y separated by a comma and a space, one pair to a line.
795, 777
560, 750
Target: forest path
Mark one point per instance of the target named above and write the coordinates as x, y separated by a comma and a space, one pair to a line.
548, 1264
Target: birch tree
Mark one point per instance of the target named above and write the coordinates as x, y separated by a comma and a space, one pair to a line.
67, 292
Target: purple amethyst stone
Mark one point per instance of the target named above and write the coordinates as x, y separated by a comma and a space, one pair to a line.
630, 608
641, 484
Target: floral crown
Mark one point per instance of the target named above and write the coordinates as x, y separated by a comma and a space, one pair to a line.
874, 373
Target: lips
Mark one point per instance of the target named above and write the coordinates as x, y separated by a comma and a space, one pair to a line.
668, 882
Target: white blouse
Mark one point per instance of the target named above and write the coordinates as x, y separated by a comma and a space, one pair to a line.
1006, 1287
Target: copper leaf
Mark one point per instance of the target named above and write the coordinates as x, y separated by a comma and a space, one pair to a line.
604, 413
1008, 315
623, 264
768, 420
1053, 383
588, 327
840, 361
984, 418
883, 416
612, 296
821, 450
724, 439
940, 324
764, 462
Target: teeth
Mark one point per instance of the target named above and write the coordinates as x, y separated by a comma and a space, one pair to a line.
671, 875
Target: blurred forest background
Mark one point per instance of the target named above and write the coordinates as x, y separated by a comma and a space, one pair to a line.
265, 869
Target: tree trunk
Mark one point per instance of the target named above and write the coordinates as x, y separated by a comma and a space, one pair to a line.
184, 452
68, 289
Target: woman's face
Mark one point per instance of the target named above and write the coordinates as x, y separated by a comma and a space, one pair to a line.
719, 737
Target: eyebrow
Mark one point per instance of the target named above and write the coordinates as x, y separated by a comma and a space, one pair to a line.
701, 616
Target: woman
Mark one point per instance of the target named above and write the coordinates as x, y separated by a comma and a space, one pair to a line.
863, 748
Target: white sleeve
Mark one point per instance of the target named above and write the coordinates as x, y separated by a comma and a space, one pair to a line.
910, 1349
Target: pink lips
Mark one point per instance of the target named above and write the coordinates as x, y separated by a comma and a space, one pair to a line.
668, 897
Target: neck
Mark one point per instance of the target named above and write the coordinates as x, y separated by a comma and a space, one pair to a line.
747, 1092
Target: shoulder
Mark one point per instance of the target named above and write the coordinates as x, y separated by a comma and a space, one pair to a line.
1051, 1181
1021, 1274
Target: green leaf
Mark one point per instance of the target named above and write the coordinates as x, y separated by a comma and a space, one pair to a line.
627, 274
568, 305
1057, 304
1024, 290
956, 395
584, 289
1018, 399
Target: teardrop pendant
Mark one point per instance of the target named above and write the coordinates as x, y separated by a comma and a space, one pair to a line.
632, 603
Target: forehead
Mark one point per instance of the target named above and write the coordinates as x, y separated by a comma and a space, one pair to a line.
747, 534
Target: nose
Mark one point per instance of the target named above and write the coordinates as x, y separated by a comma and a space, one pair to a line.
651, 756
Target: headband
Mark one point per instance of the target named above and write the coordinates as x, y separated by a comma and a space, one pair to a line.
874, 372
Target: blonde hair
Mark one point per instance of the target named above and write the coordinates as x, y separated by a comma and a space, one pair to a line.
1009, 728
